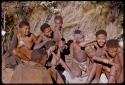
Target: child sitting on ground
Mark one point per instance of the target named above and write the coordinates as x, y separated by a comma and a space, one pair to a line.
46, 34
25, 42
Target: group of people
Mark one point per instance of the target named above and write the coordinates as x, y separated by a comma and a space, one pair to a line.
48, 58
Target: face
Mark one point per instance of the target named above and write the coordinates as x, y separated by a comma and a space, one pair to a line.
25, 30
112, 51
80, 39
48, 32
58, 23
101, 40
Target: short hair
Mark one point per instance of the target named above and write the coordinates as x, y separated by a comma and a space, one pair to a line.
38, 54
58, 17
44, 26
24, 23
49, 43
77, 32
63, 39
101, 32
69, 42
112, 43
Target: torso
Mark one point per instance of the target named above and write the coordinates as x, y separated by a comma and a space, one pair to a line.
57, 35
27, 41
79, 54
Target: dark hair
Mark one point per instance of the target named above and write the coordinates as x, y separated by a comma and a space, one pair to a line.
62, 39
44, 26
38, 54
77, 32
101, 32
24, 23
112, 43
69, 42
48, 44
59, 18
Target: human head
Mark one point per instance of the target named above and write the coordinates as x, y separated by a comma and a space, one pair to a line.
58, 21
112, 47
24, 27
39, 56
46, 29
101, 37
78, 36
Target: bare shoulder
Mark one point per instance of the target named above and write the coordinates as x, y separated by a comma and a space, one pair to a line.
91, 43
33, 35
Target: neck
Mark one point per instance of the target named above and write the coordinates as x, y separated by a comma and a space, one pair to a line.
101, 47
23, 35
77, 43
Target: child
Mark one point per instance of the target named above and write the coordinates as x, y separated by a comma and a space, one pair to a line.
78, 55
55, 59
58, 28
25, 42
111, 62
91, 53
100, 45
33, 71
47, 34
113, 57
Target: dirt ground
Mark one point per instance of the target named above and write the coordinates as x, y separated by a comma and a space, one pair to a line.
6, 75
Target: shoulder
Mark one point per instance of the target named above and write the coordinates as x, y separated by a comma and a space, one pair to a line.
32, 35
92, 43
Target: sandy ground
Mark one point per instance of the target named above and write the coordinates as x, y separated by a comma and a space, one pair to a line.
6, 75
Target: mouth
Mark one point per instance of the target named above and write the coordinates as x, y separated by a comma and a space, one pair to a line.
101, 44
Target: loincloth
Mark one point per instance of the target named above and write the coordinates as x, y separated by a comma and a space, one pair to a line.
83, 66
